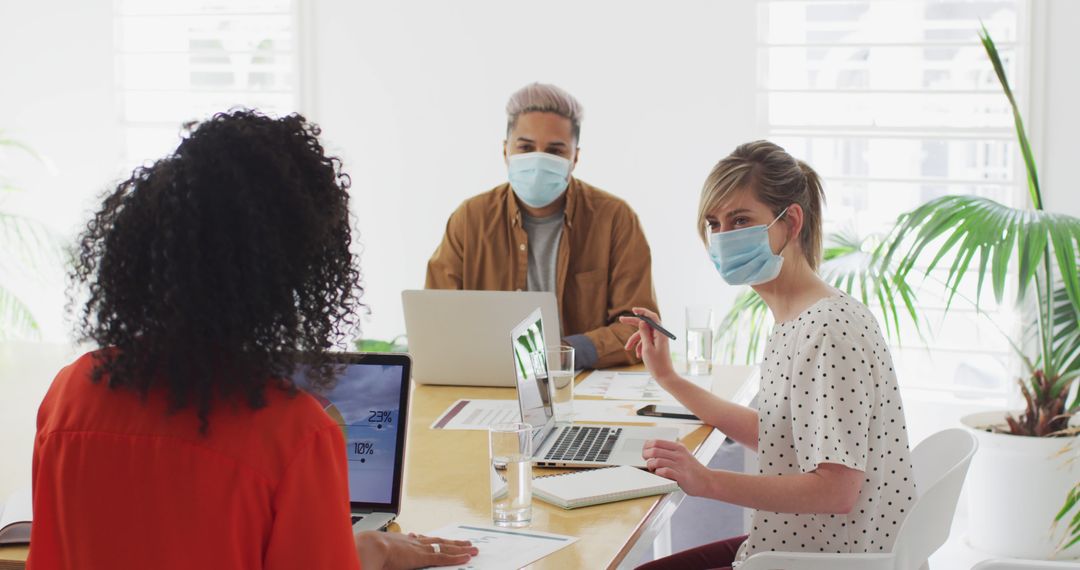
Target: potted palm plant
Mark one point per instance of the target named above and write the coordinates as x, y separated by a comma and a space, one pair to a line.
1028, 460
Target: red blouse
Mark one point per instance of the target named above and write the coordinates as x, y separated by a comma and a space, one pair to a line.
122, 483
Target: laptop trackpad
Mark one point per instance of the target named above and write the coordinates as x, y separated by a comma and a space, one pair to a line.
631, 445
628, 452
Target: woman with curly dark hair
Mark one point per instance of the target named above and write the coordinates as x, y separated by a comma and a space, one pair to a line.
182, 443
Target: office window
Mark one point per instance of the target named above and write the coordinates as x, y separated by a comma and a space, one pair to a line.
180, 60
895, 103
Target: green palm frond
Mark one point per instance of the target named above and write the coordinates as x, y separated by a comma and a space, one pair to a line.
1072, 503
16, 320
1018, 121
27, 245
966, 229
7, 142
745, 321
1063, 353
1065, 345
28, 249
850, 263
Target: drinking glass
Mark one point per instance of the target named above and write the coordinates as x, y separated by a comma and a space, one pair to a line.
510, 449
699, 340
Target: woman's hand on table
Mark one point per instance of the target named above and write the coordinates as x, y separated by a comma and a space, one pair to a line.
674, 461
396, 551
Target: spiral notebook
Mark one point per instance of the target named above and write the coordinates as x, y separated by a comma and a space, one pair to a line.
598, 486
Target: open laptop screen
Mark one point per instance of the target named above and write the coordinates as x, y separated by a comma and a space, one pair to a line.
527, 340
369, 403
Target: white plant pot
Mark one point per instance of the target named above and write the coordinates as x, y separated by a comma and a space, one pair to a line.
1015, 486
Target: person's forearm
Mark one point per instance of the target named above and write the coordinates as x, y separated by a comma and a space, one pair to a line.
609, 342
804, 493
737, 422
442, 275
585, 355
371, 550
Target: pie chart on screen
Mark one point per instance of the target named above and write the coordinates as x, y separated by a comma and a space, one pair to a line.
333, 412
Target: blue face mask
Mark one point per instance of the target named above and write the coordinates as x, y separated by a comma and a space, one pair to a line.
743, 257
538, 178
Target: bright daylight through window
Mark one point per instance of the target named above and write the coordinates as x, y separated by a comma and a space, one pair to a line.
894, 104
178, 61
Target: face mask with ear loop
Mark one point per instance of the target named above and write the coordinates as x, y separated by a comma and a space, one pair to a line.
743, 256
538, 178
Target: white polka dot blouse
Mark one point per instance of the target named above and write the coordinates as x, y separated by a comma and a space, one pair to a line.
829, 395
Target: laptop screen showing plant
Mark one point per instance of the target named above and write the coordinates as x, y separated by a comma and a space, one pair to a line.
530, 365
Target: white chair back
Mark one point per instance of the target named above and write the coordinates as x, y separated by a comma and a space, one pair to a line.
940, 463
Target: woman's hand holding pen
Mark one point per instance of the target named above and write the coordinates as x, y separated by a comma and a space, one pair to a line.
650, 346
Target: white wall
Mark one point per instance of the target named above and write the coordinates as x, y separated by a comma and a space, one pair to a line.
412, 95
57, 96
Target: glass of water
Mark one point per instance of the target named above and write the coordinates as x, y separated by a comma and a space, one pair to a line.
510, 448
699, 341
556, 370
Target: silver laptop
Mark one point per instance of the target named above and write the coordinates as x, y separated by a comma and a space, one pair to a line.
575, 445
459, 337
370, 403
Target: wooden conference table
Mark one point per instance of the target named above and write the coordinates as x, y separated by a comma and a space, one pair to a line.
446, 482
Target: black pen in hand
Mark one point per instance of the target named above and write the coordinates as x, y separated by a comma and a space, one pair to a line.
654, 325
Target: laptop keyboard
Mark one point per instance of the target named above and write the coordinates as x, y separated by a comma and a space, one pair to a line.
583, 443
356, 518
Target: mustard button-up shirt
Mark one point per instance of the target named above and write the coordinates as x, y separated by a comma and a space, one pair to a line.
603, 267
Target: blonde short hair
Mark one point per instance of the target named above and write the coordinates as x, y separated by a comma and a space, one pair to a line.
545, 98
778, 180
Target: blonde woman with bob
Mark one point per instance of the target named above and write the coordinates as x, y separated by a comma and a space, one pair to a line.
834, 465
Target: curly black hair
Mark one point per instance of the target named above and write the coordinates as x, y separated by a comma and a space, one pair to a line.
217, 270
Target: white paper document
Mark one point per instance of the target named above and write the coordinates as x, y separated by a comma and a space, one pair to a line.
502, 548
595, 384
478, 414
482, 414
637, 386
